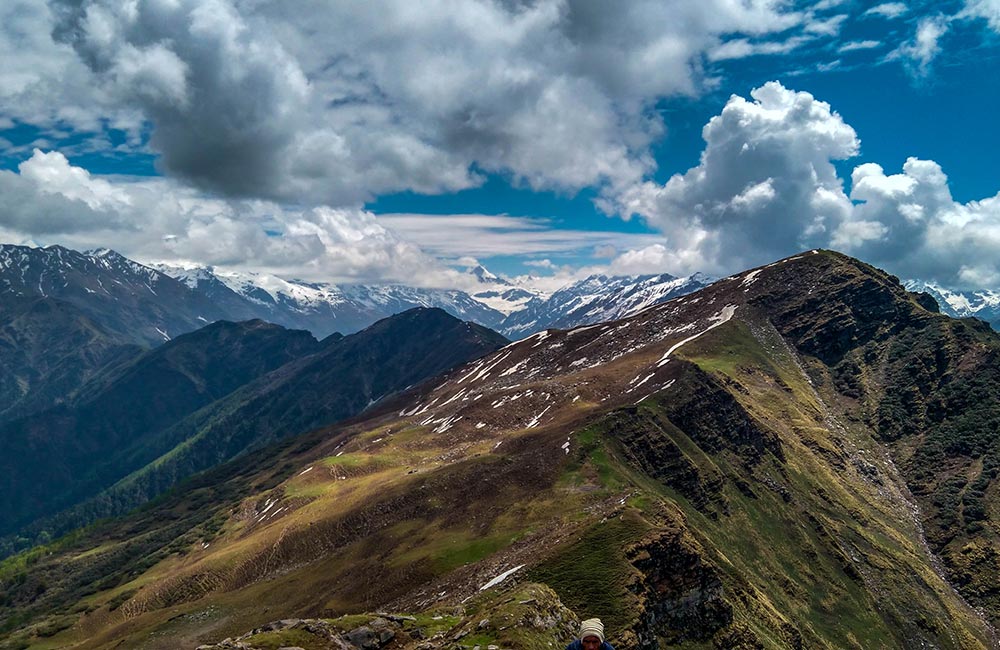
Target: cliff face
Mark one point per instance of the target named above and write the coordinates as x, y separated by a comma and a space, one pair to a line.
926, 385
771, 462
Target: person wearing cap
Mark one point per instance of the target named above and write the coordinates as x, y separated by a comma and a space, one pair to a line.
591, 636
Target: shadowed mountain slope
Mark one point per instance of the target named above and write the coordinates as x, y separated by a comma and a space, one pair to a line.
736, 468
67, 314
320, 384
63, 455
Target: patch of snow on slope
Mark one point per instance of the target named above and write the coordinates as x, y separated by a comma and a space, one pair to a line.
500, 578
720, 318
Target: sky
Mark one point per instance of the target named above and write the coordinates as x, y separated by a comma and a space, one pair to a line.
398, 141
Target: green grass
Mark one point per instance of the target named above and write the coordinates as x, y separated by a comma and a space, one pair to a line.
431, 623
446, 549
591, 574
288, 638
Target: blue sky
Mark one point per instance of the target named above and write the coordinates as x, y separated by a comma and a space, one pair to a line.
403, 143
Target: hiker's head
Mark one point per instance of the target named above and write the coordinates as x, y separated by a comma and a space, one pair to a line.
592, 633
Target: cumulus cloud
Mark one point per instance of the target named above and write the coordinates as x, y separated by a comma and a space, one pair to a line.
920, 231
51, 201
765, 184
335, 102
766, 187
651, 259
43, 82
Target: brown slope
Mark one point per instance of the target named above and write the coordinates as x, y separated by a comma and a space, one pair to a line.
694, 460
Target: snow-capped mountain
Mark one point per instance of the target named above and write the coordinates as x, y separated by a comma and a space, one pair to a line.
65, 315
134, 302
324, 308
504, 295
984, 304
598, 298
514, 309
201, 295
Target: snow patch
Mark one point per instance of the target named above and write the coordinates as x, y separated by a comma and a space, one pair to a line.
500, 578
750, 278
720, 318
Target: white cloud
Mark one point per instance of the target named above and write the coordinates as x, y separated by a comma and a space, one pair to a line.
740, 48
51, 201
918, 53
480, 235
765, 185
766, 188
827, 26
608, 251
986, 9
852, 46
888, 10
334, 102
651, 259
925, 233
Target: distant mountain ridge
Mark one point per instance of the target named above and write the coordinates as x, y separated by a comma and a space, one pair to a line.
129, 300
984, 304
66, 314
599, 298
320, 307
513, 310
110, 288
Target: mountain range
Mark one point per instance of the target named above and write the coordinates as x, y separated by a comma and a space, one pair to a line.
801, 455
67, 314
141, 427
984, 304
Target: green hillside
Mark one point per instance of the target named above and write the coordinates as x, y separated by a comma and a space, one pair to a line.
776, 461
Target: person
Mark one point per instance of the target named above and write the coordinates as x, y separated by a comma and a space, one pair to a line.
591, 636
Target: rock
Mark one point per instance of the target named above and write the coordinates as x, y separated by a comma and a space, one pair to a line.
383, 630
363, 637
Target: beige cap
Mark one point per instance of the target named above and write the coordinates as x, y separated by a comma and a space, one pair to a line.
592, 627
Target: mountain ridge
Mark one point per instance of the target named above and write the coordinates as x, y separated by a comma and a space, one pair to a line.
217, 411
729, 466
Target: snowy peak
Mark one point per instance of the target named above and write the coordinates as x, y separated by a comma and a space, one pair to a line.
130, 302
502, 294
599, 298
485, 276
984, 304
323, 308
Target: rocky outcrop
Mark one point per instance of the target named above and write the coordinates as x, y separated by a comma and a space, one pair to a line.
681, 594
521, 616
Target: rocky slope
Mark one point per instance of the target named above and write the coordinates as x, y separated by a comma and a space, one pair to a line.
754, 465
207, 397
60, 456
